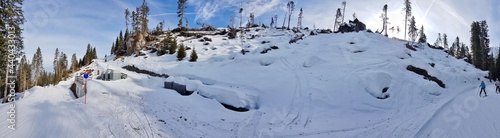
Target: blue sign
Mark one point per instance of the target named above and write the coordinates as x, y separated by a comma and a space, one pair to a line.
85, 75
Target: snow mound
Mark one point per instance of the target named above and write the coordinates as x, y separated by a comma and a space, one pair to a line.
376, 83
311, 61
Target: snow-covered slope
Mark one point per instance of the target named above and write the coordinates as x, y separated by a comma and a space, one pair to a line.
327, 85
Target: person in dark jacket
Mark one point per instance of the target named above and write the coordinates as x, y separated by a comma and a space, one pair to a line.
483, 86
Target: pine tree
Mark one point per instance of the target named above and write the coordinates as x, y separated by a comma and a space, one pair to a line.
113, 48
485, 42
343, 10
453, 49
181, 9
181, 54
56, 61
423, 37
337, 18
438, 41
94, 53
385, 19
492, 69
272, 22
241, 16
11, 15
462, 51
63, 67
299, 24
56, 65
74, 63
172, 47
497, 65
22, 74
120, 43
412, 30
445, 41
252, 20
37, 66
127, 17
407, 10
193, 56
291, 7
144, 17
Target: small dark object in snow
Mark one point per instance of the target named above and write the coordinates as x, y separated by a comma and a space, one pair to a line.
352, 43
410, 47
432, 64
274, 47
163, 121
243, 51
207, 39
207, 43
385, 89
265, 50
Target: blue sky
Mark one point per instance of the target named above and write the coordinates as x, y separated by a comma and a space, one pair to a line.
71, 24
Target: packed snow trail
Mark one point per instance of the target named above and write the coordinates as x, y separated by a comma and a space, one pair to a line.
467, 115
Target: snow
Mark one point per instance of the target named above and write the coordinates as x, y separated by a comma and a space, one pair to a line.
327, 85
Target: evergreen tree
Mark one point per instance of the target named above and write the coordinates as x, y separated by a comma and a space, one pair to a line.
291, 7
385, 19
74, 63
94, 53
113, 48
480, 44
343, 10
144, 17
127, 17
56, 62
63, 67
193, 56
412, 30
241, 16
272, 22
407, 10
56, 65
462, 51
497, 65
181, 9
337, 20
299, 24
120, 43
485, 42
453, 49
252, 20
11, 15
439, 41
37, 66
172, 47
22, 74
423, 37
181, 54
492, 69
445, 41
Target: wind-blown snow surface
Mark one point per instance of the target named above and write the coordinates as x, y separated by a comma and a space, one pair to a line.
323, 86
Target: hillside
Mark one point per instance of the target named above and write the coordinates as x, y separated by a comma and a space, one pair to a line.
326, 85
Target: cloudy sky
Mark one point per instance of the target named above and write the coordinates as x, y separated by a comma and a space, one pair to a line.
72, 24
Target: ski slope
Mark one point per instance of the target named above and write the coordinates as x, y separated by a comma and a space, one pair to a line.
327, 85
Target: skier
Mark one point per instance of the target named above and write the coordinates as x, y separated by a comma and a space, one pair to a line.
497, 84
483, 86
